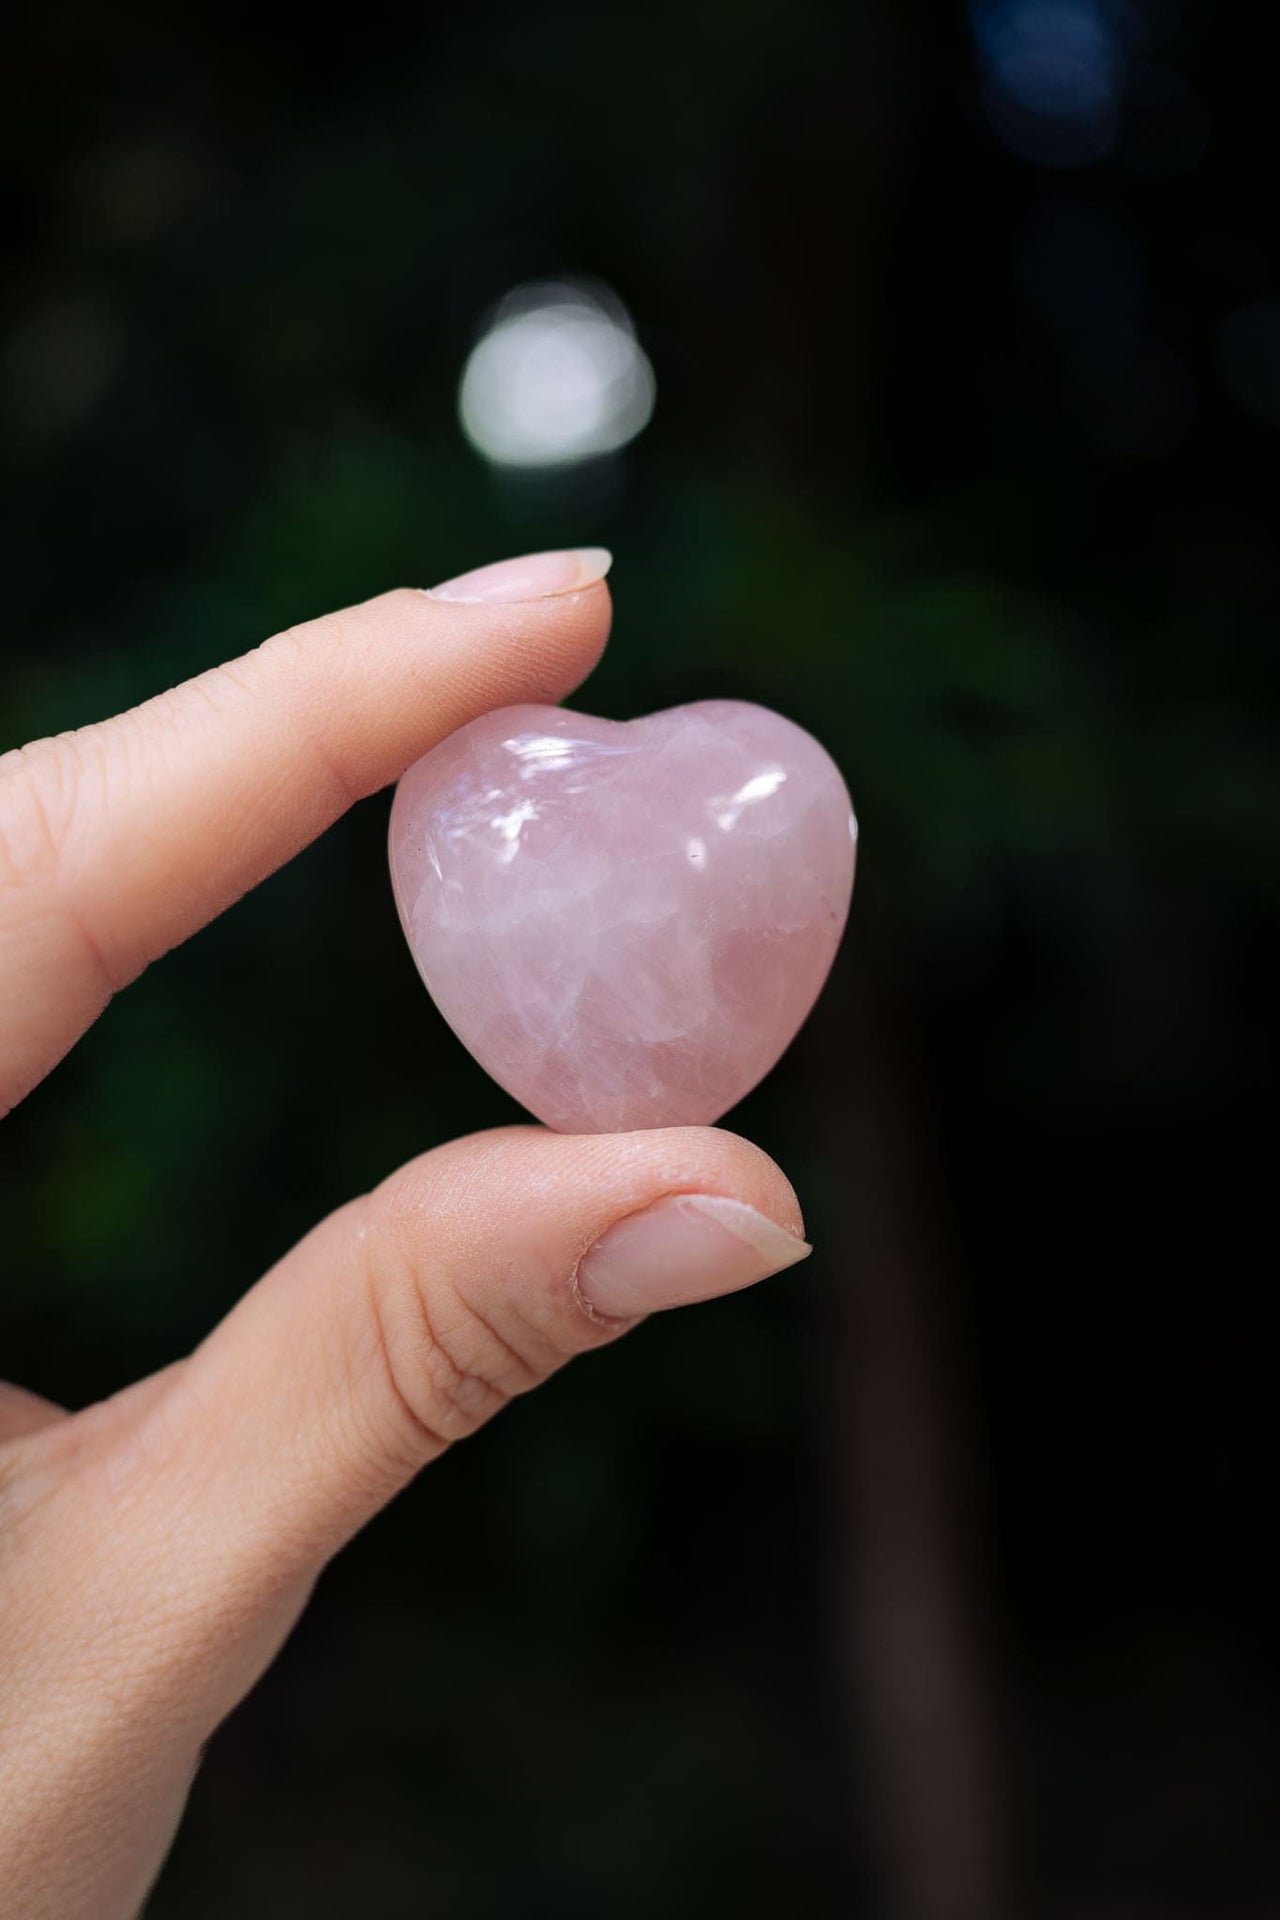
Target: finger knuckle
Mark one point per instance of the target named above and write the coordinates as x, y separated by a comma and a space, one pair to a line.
48, 792
37, 808
48, 789
293, 646
450, 1365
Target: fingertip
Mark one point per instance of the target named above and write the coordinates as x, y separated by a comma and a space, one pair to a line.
504, 655
755, 1178
706, 1160
565, 1191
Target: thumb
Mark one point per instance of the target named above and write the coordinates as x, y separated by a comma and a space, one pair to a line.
176, 1531
410, 1317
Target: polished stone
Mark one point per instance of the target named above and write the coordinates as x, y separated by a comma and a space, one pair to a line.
626, 922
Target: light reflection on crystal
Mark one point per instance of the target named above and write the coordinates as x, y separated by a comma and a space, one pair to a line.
761, 786
508, 827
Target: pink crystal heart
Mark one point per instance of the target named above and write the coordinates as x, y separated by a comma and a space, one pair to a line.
626, 922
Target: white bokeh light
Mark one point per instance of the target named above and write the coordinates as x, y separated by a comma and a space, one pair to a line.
557, 377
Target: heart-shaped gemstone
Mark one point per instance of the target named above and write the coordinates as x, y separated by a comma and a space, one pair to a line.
626, 922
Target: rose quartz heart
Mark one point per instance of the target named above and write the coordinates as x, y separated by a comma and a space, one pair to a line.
625, 922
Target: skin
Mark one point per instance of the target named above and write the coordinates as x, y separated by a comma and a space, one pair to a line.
156, 1549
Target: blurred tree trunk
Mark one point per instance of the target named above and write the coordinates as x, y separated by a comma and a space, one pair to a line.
913, 1621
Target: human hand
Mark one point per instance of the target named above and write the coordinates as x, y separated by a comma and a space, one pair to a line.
156, 1549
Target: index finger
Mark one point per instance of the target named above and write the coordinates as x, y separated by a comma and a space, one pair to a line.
120, 840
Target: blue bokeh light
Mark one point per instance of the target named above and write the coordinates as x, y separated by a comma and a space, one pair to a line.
1055, 73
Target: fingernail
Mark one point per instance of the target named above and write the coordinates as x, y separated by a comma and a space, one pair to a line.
535, 576
686, 1247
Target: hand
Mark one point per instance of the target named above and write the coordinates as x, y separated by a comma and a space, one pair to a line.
156, 1549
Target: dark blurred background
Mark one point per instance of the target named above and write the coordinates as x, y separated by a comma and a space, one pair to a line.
933, 1582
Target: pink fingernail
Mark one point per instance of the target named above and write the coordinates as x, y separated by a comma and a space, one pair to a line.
686, 1247
535, 576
